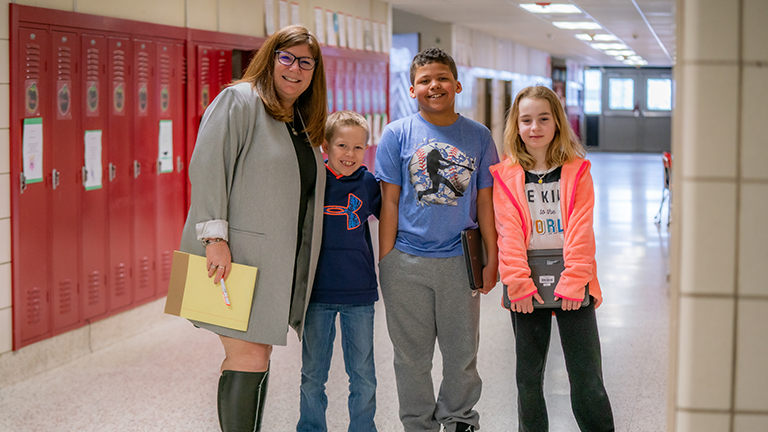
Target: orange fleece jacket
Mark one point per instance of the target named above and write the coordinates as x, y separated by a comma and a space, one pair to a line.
513, 224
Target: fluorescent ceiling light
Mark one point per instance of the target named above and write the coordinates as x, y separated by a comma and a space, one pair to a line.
550, 8
597, 37
619, 58
577, 25
620, 52
636, 62
634, 57
608, 46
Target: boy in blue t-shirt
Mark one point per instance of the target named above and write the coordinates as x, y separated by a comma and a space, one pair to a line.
345, 282
433, 168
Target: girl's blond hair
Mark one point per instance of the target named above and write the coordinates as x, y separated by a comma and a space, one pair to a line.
565, 146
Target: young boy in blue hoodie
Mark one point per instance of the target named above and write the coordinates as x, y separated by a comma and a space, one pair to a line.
345, 282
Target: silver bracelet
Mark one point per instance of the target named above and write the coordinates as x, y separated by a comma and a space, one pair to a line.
208, 242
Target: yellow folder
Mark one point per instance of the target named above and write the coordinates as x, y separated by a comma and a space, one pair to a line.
193, 295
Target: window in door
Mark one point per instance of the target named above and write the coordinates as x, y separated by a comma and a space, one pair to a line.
621, 93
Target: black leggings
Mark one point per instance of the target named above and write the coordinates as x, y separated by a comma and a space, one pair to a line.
581, 346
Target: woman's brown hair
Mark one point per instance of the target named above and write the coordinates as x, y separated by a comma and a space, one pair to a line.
313, 103
565, 146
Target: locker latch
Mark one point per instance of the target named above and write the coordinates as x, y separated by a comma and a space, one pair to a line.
179, 164
136, 168
22, 182
112, 171
85, 175
55, 178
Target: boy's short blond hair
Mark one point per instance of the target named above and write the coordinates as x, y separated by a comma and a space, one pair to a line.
345, 118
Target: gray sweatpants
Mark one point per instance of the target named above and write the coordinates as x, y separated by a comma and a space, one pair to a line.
428, 299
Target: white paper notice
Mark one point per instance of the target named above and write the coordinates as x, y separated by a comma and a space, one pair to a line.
342, 20
269, 16
295, 14
376, 37
367, 36
319, 29
32, 144
351, 40
93, 169
360, 43
283, 13
330, 25
165, 146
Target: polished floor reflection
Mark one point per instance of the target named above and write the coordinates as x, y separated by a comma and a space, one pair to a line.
165, 379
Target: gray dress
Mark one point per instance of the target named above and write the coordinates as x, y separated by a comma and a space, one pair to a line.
245, 178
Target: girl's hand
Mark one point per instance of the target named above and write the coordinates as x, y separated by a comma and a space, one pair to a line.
219, 260
526, 305
570, 304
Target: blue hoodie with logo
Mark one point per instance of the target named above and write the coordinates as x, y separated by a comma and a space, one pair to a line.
346, 272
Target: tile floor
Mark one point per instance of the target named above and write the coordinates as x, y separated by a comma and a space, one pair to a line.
165, 379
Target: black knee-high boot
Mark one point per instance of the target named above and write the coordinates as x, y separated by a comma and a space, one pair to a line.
241, 400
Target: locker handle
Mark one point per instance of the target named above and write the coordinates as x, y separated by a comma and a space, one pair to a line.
85, 175
112, 171
179, 164
55, 178
159, 167
136, 168
22, 182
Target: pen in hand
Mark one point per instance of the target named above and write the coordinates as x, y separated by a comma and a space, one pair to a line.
224, 293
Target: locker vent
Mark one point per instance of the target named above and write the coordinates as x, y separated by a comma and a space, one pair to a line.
167, 259
184, 70
94, 288
225, 73
165, 69
65, 296
65, 63
143, 67
120, 280
92, 65
143, 273
118, 63
34, 306
205, 69
33, 61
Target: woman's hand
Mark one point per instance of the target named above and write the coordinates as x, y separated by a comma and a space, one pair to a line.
526, 305
219, 261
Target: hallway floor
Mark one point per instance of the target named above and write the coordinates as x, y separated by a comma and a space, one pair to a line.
165, 379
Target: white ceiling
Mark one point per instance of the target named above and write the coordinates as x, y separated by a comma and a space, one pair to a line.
645, 26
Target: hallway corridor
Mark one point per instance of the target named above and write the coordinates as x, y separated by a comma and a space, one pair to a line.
165, 379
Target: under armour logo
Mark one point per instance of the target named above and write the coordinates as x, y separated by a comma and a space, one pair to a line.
353, 205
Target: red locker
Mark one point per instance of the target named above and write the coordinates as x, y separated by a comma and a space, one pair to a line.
65, 171
207, 82
330, 79
30, 197
119, 172
94, 220
145, 133
359, 87
341, 84
171, 180
350, 85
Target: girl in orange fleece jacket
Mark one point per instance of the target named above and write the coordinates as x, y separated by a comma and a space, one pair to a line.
544, 199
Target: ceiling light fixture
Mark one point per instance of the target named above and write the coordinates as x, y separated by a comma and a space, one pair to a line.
550, 8
609, 46
620, 52
577, 25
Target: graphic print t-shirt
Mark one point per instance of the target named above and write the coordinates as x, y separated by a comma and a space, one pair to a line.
544, 204
439, 170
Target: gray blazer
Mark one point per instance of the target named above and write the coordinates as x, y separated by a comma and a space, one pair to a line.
244, 173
